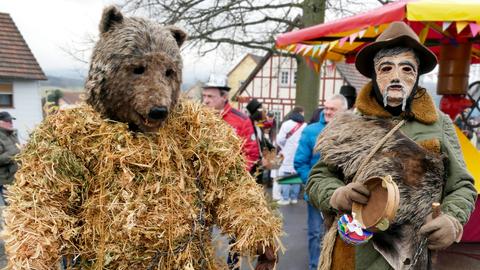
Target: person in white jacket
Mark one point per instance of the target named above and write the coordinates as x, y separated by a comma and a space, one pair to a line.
287, 139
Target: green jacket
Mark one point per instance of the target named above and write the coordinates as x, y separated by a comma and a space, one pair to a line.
8, 149
429, 125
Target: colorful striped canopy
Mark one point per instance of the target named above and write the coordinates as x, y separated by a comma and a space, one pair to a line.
435, 21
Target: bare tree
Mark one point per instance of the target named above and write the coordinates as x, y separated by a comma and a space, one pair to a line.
225, 25
252, 24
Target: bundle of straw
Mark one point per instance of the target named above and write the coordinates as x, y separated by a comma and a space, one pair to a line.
104, 197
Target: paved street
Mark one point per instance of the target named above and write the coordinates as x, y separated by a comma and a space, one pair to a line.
294, 240
460, 256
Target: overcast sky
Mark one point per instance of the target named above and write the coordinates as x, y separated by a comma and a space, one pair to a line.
52, 27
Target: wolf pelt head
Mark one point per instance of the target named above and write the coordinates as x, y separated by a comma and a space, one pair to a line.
135, 71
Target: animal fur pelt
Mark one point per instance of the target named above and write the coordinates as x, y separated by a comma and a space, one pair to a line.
419, 174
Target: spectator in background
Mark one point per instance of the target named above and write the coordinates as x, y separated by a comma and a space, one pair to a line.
270, 126
287, 140
350, 94
305, 158
8, 149
215, 96
316, 115
257, 117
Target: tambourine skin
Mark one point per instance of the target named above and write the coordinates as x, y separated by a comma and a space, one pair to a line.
382, 205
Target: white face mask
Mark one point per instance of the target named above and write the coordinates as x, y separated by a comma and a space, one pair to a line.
396, 76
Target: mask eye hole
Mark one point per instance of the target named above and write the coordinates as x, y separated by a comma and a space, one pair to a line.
169, 72
407, 69
139, 70
385, 68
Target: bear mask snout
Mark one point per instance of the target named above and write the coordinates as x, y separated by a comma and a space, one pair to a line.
158, 113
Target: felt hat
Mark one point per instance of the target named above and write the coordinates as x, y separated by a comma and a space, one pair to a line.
217, 81
397, 34
253, 106
5, 116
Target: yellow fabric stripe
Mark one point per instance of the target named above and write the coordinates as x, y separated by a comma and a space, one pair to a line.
444, 10
471, 156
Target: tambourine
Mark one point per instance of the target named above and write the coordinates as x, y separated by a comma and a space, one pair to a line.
382, 206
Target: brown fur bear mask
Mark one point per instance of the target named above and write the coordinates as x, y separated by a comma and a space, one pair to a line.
141, 61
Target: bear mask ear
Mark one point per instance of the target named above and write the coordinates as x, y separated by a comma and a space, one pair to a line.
111, 16
177, 33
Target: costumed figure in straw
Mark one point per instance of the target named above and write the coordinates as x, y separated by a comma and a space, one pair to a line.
136, 178
395, 133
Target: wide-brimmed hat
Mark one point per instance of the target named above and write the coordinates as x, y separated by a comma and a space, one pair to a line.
396, 34
217, 81
253, 105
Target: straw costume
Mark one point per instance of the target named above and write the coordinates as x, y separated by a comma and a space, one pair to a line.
423, 157
131, 181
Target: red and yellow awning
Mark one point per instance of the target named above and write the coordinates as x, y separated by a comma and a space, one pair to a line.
435, 21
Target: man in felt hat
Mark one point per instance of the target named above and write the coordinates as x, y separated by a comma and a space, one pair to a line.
215, 96
8, 149
413, 156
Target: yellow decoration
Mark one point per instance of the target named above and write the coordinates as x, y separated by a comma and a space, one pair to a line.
471, 156
461, 26
423, 34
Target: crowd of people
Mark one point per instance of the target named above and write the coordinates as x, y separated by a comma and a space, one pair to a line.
394, 63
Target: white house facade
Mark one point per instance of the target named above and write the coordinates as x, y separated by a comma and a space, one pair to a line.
19, 79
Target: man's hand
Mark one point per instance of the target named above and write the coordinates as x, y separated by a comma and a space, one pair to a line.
442, 231
267, 258
343, 197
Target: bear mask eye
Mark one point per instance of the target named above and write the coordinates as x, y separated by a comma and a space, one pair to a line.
169, 72
139, 70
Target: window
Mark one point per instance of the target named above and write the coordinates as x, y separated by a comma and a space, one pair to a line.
6, 95
295, 78
284, 77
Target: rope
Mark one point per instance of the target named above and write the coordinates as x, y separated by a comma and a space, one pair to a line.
375, 149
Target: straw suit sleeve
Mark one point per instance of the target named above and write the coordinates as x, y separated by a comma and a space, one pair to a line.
37, 219
459, 192
242, 211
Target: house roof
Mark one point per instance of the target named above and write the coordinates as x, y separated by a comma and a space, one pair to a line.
254, 57
351, 75
348, 72
252, 75
16, 58
73, 97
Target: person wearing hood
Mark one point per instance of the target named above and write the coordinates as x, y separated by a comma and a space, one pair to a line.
395, 131
287, 139
305, 158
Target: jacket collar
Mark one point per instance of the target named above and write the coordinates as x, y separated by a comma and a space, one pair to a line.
423, 107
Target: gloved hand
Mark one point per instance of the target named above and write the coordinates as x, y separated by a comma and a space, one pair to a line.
343, 197
442, 231
267, 258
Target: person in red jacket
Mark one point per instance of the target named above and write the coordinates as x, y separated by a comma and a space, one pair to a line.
215, 96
